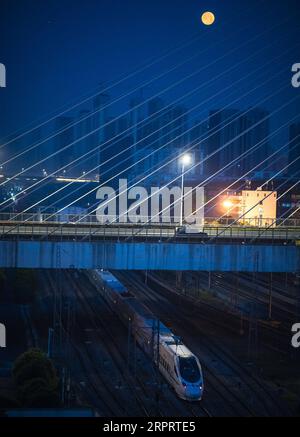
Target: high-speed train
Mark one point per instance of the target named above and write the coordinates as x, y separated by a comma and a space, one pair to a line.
180, 367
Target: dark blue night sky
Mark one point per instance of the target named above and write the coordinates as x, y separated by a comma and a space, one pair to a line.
60, 50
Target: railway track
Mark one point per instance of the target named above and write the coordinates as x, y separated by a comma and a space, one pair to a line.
248, 393
142, 394
266, 394
239, 292
220, 407
283, 304
275, 337
127, 396
100, 393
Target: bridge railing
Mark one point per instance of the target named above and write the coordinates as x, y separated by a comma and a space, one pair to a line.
89, 232
93, 219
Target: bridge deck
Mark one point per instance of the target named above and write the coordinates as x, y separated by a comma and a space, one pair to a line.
124, 255
138, 232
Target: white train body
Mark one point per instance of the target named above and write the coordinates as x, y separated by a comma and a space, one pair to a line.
179, 366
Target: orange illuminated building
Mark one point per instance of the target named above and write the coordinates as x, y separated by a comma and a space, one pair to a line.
251, 207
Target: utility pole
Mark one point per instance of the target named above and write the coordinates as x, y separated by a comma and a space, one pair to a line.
185, 159
270, 295
129, 342
70, 323
209, 280
57, 308
158, 387
237, 290
178, 278
253, 328
58, 324
50, 342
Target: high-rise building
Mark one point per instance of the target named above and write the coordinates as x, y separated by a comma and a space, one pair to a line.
99, 117
84, 153
137, 113
161, 138
256, 128
231, 133
223, 127
116, 154
293, 170
198, 139
38, 152
63, 140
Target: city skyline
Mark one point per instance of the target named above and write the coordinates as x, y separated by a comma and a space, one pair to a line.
128, 132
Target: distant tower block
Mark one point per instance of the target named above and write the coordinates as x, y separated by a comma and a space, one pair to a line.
99, 117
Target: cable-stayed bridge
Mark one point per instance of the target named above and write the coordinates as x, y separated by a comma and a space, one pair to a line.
86, 245
155, 148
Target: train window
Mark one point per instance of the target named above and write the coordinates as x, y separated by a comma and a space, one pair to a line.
189, 369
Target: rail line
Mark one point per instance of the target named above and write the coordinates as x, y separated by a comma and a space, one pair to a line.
244, 380
232, 361
106, 341
227, 406
282, 309
103, 394
168, 405
275, 337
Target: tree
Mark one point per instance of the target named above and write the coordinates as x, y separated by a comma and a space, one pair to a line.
36, 379
37, 393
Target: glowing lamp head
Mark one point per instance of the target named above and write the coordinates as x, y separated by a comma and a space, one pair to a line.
186, 159
227, 204
208, 18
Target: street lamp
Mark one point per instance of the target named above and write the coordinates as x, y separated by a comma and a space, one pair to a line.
185, 160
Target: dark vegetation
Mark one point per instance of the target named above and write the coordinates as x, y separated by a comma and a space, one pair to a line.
36, 380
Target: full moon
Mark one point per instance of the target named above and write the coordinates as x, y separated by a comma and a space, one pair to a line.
208, 18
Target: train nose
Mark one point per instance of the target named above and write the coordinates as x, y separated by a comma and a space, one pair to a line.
193, 392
